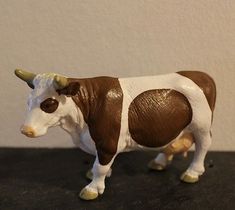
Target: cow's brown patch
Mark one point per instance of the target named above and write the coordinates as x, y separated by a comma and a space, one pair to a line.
156, 117
205, 82
100, 100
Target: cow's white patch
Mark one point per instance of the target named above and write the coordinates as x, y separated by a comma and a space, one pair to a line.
75, 125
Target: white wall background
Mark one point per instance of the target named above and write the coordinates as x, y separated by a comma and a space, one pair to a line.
85, 38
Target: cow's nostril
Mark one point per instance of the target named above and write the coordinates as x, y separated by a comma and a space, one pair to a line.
28, 131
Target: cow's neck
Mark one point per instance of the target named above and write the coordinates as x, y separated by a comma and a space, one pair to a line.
80, 108
91, 95
83, 99
73, 122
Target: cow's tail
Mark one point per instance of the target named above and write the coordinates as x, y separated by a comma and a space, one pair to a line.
213, 101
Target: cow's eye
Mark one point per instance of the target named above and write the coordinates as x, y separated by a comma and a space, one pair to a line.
49, 105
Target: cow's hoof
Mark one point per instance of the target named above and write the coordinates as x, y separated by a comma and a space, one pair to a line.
156, 166
89, 175
86, 194
188, 178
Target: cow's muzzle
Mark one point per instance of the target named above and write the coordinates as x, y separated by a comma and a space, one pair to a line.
28, 131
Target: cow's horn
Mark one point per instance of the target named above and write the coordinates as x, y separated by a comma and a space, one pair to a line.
60, 82
25, 76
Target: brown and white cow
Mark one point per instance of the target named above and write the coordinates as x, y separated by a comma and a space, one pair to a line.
106, 116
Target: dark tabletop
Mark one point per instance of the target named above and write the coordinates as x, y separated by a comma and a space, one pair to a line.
52, 178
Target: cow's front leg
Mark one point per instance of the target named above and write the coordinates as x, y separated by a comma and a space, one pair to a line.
89, 174
97, 186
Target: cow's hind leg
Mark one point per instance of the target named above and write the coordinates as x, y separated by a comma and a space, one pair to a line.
164, 158
160, 162
196, 168
97, 186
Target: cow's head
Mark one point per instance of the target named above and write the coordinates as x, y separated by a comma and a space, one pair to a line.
48, 102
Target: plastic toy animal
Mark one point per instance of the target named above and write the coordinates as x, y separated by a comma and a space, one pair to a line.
106, 116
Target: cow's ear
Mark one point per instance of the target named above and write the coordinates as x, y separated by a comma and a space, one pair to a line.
70, 90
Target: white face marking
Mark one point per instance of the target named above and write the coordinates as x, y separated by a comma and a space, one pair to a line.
36, 118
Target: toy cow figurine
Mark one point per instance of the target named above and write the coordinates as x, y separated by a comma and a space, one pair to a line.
106, 116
